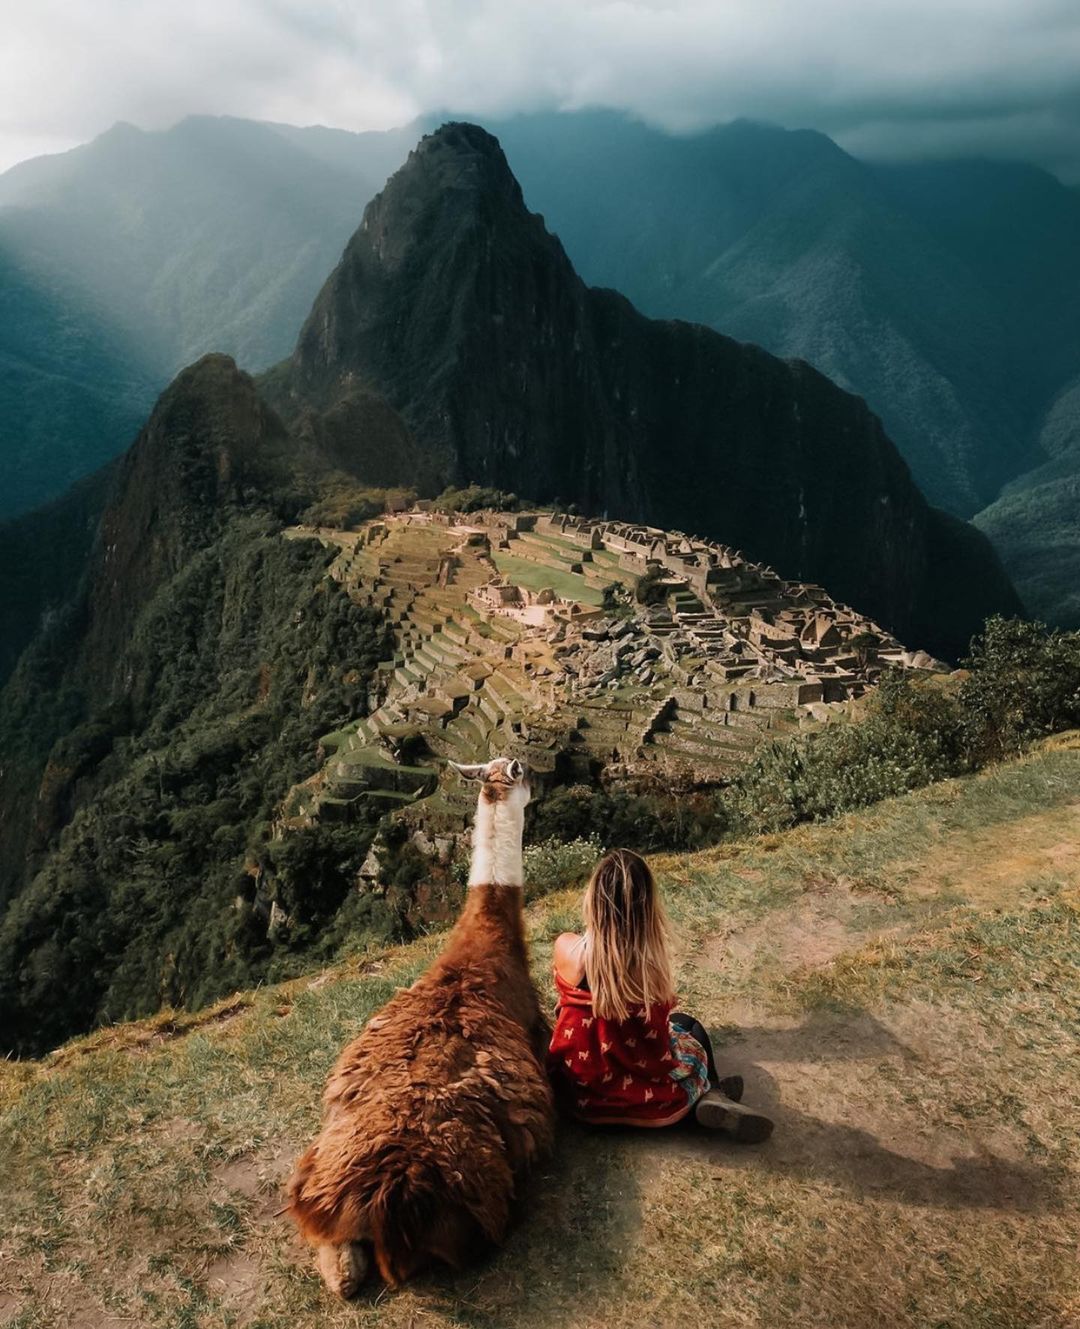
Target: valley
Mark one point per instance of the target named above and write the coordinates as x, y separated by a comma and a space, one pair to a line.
199, 704
573, 571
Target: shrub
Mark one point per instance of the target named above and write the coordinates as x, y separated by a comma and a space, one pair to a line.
1024, 684
343, 504
911, 735
473, 498
645, 822
616, 599
556, 864
650, 587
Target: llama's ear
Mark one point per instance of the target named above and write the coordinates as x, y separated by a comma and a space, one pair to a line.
469, 772
515, 770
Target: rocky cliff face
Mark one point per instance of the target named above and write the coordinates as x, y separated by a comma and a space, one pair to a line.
454, 304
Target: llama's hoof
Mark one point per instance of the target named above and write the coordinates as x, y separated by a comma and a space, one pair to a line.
343, 1268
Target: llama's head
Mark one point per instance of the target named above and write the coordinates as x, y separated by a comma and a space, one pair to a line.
502, 780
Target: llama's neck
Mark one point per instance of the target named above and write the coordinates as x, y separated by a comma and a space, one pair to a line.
496, 844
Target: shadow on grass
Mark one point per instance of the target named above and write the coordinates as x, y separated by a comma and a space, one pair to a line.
567, 1247
846, 1153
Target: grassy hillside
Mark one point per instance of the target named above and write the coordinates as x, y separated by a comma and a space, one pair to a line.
899, 987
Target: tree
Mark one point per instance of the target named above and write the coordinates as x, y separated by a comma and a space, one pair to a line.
650, 588
865, 645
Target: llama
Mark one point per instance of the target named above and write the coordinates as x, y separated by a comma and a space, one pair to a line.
434, 1113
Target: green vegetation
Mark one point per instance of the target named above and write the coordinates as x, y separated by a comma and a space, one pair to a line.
473, 498
345, 504
899, 988
1033, 526
1023, 684
538, 577
646, 820
555, 864
650, 588
160, 886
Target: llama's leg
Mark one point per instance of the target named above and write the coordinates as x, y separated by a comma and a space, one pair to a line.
343, 1268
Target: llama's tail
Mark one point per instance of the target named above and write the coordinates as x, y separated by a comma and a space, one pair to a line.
411, 1211
420, 1214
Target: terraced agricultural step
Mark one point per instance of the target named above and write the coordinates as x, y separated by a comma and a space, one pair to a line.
426, 618
455, 691
748, 719
707, 748
451, 651
490, 705
502, 629
425, 658
456, 632
387, 800
407, 675
464, 745
514, 699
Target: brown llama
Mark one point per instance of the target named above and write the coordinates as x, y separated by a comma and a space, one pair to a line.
434, 1113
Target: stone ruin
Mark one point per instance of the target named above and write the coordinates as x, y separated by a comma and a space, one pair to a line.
685, 688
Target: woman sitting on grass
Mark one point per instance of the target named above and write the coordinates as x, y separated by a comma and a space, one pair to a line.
620, 1054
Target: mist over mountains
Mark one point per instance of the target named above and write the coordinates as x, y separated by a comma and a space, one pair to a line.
944, 294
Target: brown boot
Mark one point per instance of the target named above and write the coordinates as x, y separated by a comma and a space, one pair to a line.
716, 1112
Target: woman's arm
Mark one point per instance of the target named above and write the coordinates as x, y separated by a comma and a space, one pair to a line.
568, 957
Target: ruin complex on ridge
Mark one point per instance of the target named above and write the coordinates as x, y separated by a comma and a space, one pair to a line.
523, 632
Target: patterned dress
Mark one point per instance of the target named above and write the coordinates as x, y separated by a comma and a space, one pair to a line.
638, 1072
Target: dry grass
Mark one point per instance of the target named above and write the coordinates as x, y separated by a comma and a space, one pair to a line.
900, 988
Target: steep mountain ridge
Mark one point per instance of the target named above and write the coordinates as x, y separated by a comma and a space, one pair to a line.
940, 292
905, 284
455, 304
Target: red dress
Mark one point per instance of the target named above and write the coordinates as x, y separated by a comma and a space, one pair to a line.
637, 1071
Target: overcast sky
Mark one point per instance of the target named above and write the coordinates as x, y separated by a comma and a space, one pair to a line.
884, 77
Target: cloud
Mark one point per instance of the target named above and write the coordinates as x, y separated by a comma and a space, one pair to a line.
885, 77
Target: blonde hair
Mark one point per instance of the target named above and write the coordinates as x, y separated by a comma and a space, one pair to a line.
627, 947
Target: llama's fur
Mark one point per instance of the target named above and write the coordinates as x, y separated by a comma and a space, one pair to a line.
434, 1113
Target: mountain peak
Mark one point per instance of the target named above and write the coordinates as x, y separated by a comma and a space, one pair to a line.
460, 136
458, 157
449, 224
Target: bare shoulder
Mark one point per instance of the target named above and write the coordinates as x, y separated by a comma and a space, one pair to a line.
568, 956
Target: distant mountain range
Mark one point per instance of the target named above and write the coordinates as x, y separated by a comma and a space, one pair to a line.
157, 719
126, 259
945, 294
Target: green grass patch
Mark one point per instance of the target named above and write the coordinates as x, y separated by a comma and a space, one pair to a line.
534, 576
